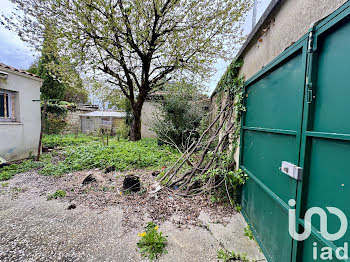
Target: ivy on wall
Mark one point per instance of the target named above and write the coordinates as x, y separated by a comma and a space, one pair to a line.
231, 84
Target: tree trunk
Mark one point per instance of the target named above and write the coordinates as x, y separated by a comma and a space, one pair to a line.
135, 132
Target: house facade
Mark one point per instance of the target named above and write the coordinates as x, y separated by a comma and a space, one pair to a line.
20, 117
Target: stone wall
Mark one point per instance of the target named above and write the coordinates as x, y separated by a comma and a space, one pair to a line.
73, 121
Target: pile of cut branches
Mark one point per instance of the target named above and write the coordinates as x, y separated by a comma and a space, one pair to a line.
208, 165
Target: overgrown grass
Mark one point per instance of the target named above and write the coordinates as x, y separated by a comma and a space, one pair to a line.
67, 140
86, 152
9, 171
124, 155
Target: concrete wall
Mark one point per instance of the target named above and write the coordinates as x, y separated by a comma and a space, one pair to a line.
148, 114
18, 139
92, 124
288, 23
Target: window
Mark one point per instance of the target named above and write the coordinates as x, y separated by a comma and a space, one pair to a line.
7, 106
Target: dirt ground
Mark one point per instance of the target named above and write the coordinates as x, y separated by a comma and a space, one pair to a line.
100, 222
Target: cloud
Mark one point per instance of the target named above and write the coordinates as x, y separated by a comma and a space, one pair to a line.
13, 51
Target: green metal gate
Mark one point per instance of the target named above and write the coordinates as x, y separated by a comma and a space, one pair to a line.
298, 110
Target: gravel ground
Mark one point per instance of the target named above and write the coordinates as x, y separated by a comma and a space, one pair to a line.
105, 223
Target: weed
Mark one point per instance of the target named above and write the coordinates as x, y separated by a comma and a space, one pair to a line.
228, 185
213, 198
152, 243
17, 189
86, 152
124, 155
5, 184
238, 208
226, 256
248, 233
67, 140
165, 181
126, 192
57, 194
8, 172
142, 191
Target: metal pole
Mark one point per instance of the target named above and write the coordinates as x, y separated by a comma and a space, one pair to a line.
43, 117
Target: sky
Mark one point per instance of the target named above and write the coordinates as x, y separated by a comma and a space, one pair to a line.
16, 53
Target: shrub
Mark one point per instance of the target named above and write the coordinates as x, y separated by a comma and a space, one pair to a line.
54, 124
55, 109
152, 243
55, 120
122, 131
180, 115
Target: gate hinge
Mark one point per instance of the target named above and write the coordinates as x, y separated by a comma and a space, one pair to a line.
310, 43
292, 170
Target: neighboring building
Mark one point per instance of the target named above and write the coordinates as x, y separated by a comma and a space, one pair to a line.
148, 115
93, 122
73, 117
20, 117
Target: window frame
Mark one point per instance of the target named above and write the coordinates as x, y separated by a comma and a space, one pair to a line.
8, 108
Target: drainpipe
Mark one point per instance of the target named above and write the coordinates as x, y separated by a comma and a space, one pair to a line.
254, 13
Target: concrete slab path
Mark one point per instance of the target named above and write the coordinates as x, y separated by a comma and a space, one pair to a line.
34, 229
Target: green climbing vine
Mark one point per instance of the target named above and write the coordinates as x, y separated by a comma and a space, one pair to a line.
231, 84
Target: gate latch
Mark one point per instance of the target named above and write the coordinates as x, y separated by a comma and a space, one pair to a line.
292, 170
